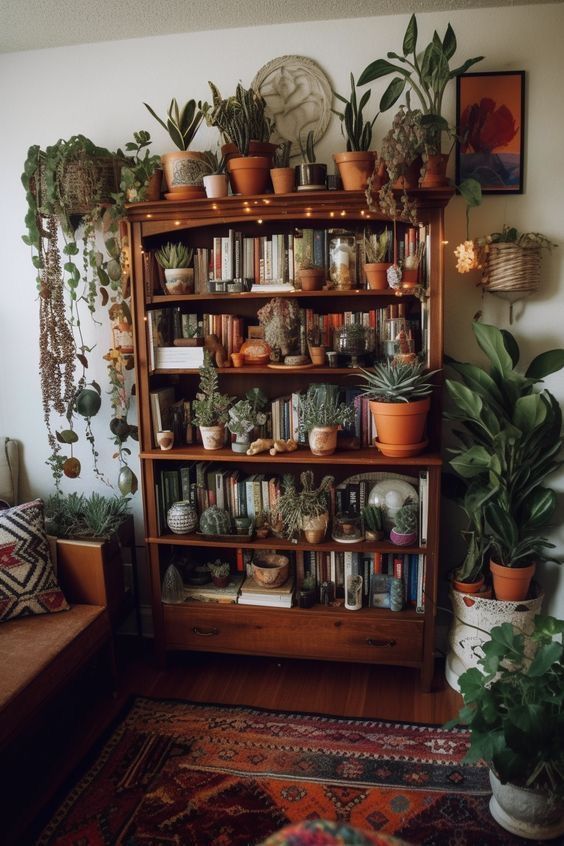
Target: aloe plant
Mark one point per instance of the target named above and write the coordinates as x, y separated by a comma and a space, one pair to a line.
181, 124
392, 381
172, 255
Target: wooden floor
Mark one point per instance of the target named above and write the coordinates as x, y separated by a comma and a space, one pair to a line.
349, 690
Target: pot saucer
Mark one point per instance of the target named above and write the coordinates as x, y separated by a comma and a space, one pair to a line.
401, 450
189, 194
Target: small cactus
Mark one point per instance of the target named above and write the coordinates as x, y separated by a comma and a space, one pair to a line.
215, 521
405, 521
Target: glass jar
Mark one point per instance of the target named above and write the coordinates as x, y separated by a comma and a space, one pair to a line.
347, 528
354, 341
342, 261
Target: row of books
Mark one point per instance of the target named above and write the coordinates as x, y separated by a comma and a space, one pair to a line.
277, 257
207, 483
243, 590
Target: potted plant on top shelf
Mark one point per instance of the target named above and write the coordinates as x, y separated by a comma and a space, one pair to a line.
514, 707
141, 178
184, 169
216, 182
282, 175
310, 175
245, 130
321, 416
427, 75
356, 165
211, 409
400, 399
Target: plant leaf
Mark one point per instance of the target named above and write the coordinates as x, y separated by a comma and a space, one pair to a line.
410, 37
392, 93
544, 364
375, 70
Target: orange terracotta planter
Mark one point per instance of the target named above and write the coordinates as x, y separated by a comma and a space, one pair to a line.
184, 172
435, 172
400, 423
376, 275
311, 279
256, 148
409, 277
354, 168
468, 587
249, 174
283, 180
409, 180
511, 583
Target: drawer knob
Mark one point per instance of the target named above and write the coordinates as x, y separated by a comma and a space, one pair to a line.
205, 632
373, 642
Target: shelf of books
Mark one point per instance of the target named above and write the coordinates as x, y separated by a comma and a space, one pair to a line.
358, 598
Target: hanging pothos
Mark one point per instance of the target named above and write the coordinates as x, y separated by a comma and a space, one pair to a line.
68, 188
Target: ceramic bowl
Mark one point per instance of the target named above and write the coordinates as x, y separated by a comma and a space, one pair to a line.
271, 570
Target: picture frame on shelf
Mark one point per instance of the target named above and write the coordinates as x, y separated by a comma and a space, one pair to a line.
490, 126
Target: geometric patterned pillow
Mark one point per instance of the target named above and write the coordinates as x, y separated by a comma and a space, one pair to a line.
28, 584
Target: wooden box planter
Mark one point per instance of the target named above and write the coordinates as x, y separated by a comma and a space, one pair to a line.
94, 568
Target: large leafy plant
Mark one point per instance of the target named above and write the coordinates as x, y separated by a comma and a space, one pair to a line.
514, 705
426, 73
510, 443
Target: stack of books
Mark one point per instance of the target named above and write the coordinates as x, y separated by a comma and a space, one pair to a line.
210, 593
188, 358
254, 594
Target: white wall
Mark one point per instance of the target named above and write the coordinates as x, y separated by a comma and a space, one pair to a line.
99, 90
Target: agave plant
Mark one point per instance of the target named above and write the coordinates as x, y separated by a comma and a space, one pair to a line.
79, 516
181, 124
391, 381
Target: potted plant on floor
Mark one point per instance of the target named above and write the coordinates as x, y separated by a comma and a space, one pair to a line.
210, 408
321, 416
400, 399
356, 165
514, 708
184, 170
306, 510
427, 76
376, 248
89, 532
281, 174
175, 259
310, 175
245, 130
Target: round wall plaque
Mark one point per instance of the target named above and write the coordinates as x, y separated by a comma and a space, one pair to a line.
298, 96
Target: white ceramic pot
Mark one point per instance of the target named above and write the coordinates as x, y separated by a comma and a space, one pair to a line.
179, 280
182, 517
216, 184
213, 437
533, 814
474, 618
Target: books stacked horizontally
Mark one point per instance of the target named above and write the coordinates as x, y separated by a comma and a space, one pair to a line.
210, 593
171, 358
254, 594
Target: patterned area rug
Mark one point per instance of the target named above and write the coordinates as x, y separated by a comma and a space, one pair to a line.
210, 775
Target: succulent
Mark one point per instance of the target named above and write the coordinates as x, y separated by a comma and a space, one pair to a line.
210, 408
321, 407
405, 520
372, 518
215, 521
174, 255
246, 413
219, 569
392, 381
80, 516
292, 506
282, 154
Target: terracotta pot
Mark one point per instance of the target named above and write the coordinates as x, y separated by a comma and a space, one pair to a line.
283, 180
314, 528
213, 437
183, 170
400, 422
468, 587
312, 279
249, 174
511, 583
435, 171
375, 273
221, 581
154, 186
354, 168
256, 148
409, 180
216, 184
379, 178
409, 277
323, 440
317, 355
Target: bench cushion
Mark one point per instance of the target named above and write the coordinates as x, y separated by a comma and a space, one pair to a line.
38, 654
27, 580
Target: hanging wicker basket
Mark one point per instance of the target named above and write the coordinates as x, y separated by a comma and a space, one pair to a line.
83, 182
512, 268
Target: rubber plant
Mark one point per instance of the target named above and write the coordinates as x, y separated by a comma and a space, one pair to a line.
68, 187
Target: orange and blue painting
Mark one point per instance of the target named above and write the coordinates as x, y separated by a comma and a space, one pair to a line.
490, 130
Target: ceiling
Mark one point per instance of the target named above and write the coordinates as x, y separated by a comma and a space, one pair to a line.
36, 24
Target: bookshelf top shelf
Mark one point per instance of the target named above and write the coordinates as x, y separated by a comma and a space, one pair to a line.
272, 542
300, 456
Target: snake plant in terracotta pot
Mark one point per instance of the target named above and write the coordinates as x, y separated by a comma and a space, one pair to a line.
184, 170
357, 163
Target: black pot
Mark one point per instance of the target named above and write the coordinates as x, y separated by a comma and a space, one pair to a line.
311, 177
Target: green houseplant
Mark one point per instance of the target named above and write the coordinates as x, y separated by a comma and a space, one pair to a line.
356, 165
141, 177
244, 416
210, 408
404, 530
310, 175
282, 175
376, 263
306, 510
215, 178
400, 399
321, 416
184, 169
509, 444
175, 259
514, 708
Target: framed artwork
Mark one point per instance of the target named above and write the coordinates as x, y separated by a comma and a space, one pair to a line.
490, 118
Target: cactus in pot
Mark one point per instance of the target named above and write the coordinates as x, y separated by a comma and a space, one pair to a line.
215, 521
404, 531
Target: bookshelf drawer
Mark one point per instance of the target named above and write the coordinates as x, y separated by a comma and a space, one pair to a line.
332, 635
